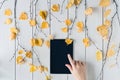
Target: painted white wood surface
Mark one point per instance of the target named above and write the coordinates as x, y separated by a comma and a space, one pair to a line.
7, 68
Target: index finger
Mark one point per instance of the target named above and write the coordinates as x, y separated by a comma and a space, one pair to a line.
70, 60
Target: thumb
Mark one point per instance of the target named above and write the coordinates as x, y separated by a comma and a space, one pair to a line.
69, 67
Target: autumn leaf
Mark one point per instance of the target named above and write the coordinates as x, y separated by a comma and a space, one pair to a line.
50, 37
107, 13
20, 51
86, 42
32, 22
68, 22
14, 30
68, 41
36, 42
23, 16
73, 2
104, 3
107, 23
80, 26
44, 25
47, 43
28, 54
89, 11
13, 33
20, 60
98, 55
8, 12
33, 68
55, 7
8, 21
48, 77
103, 31
43, 14
64, 29
110, 53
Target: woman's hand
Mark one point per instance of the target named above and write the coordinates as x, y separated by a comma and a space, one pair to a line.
77, 68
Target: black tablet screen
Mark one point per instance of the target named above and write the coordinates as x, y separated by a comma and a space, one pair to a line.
58, 56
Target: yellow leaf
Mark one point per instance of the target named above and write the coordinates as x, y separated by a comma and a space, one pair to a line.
104, 3
14, 30
36, 42
68, 22
68, 41
8, 12
86, 42
47, 43
107, 23
110, 53
41, 68
32, 22
33, 68
48, 77
107, 13
89, 11
77, 2
44, 25
8, 21
23, 16
98, 55
80, 26
55, 7
28, 54
50, 37
103, 30
20, 60
12, 36
43, 14
70, 4
65, 29
20, 51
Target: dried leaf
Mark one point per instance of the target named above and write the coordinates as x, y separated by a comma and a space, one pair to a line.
12, 36
107, 23
28, 54
43, 14
8, 12
70, 4
23, 16
107, 13
20, 51
41, 68
20, 60
73, 2
104, 3
103, 30
80, 26
36, 42
48, 77
68, 41
77, 2
64, 29
68, 22
8, 21
98, 55
55, 7
89, 11
47, 43
33, 68
32, 22
86, 42
110, 53
50, 37
44, 25
14, 30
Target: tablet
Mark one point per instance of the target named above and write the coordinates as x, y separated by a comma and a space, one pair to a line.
58, 56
